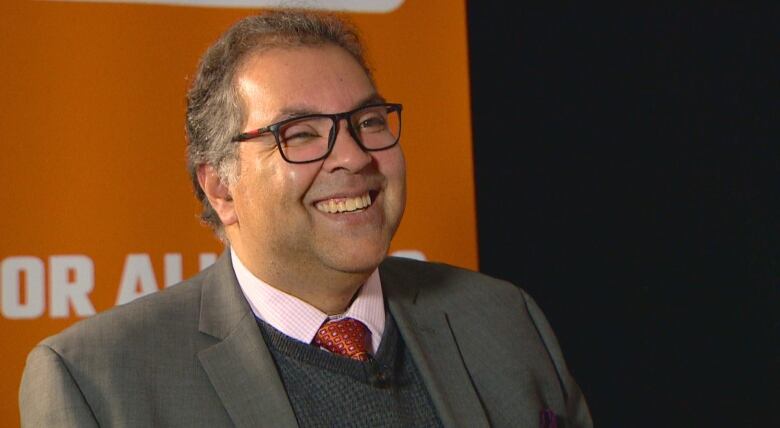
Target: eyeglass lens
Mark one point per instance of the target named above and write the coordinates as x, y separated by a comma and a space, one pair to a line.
376, 127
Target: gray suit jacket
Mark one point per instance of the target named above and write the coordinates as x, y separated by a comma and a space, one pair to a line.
193, 355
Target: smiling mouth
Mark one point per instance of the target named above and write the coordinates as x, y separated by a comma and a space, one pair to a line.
346, 205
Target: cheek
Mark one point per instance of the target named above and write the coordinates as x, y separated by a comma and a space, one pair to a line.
270, 179
392, 165
253, 192
295, 180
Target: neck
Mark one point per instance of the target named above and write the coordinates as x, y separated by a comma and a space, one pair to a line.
328, 290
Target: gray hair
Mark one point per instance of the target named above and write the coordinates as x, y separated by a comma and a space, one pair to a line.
215, 110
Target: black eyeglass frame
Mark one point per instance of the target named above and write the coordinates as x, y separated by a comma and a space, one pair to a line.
336, 118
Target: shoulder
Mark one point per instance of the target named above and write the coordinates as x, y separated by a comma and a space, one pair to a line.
139, 325
97, 367
437, 271
448, 283
471, 295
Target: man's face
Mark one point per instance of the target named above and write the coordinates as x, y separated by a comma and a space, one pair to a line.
279, 227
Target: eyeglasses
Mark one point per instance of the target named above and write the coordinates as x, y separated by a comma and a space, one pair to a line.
311, 137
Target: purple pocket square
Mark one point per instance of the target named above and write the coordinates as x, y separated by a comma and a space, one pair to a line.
548, 419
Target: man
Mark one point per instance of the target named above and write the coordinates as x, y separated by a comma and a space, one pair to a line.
304, 321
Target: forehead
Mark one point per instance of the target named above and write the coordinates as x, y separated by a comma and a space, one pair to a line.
317, 79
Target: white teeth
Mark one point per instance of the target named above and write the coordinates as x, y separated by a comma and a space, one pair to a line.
345, 205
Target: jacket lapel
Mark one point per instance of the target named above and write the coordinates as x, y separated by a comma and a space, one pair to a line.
427, 333
240, 366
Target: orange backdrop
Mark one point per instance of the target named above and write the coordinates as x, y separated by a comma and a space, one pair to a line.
94, 192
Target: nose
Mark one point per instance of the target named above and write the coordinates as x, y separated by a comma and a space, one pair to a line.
346, 153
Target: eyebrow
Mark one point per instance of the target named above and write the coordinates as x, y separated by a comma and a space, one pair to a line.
295, 111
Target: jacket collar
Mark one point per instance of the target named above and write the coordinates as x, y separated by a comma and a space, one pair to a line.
428, 333
240, 366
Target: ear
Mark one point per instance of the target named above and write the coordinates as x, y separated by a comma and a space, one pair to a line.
218, 194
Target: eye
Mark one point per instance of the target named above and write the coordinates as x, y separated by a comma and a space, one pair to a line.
299, 133
372, 121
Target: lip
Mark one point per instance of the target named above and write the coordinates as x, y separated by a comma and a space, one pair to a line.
354, 217
373, 193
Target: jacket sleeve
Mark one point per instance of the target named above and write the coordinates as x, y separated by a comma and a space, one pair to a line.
578, 415
49, 396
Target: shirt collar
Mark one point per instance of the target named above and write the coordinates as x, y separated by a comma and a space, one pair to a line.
300, 320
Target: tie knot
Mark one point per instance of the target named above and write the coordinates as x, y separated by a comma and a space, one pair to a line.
347, 337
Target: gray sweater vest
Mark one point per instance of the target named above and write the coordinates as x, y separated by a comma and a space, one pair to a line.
328, 390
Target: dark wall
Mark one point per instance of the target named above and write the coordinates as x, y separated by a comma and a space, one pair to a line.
628, 167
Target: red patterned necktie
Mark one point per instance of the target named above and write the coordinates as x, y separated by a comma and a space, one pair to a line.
347, 337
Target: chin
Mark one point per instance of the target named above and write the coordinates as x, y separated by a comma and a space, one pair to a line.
357, 260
